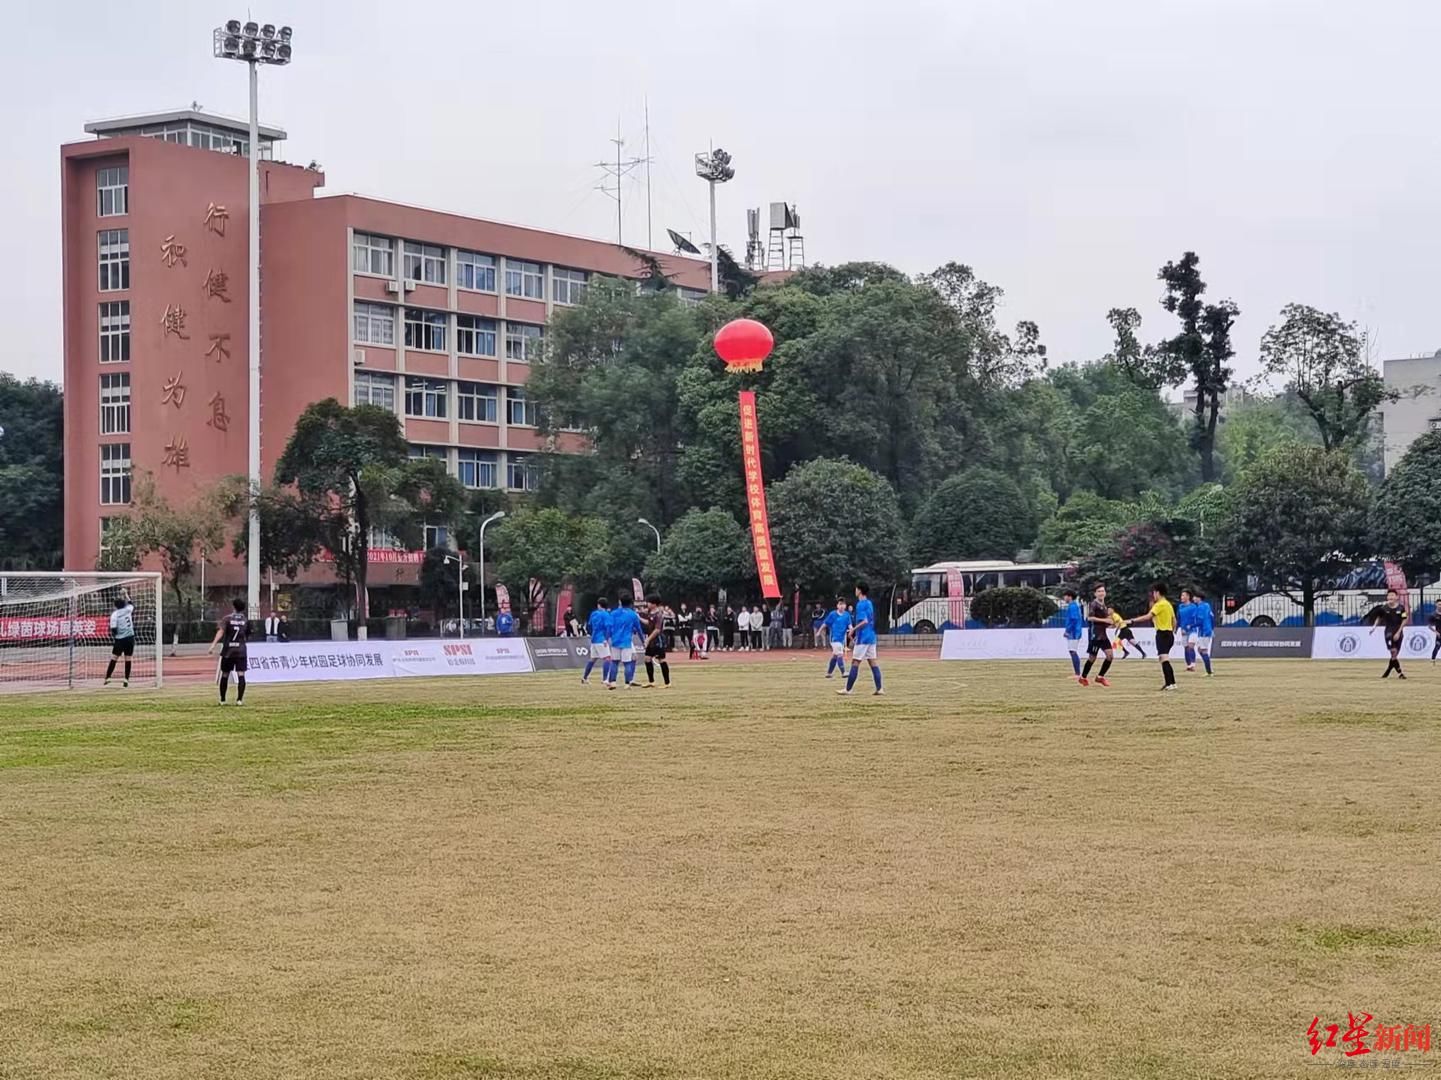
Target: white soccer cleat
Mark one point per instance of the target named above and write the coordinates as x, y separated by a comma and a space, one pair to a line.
845, 693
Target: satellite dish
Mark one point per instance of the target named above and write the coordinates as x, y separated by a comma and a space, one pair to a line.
682, 244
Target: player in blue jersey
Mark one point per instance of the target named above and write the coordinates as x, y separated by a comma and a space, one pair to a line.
864, 634
599, 627
1185, 625
1075, 629
624, 626
1203, 628
838, 626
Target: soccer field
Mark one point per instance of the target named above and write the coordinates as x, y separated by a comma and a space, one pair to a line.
990, 872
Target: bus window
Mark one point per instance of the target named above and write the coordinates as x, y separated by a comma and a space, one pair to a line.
924, 586
1028, 579
980, 582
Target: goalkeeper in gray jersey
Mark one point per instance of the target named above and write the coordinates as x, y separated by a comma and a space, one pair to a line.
122, 634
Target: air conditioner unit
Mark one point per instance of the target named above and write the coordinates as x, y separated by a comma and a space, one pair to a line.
392, 288
357, 357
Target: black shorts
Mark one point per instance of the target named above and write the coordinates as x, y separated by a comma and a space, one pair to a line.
1125, 634
1165, 641
1397, 641
124, 646
656, 649
1099, 643
232, 662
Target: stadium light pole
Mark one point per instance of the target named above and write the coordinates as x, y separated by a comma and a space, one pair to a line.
652, 528
714, 168
253, 45
493, 517
459, 588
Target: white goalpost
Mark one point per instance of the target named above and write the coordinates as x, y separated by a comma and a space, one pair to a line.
55, 629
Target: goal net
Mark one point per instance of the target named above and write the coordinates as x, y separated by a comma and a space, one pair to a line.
55, 629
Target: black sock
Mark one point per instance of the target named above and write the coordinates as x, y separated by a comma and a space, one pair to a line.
109, 671
1086, 671
649, 671
665, 672
1169, 672
1105, 667
127, 671
224, 683
240, 688
1436, 648
1139, 649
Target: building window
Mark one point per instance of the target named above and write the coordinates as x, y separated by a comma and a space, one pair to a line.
521, 475
474, 336
373, 388
569, 285
692, 297
425, 330
115, 332
520, 410
436, 536
382, 538
478, 469
525, 279
522, 341
115, 404
115, 474
374, 323
476, 401
114, 259
425, 397
112, 191
420, 452
424, 262
371, 254
475, 271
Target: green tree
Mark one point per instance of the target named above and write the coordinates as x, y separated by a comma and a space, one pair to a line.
1321, 359
1159, 548
295, 529
1298, 519
977, 514
833, 522
438, 585
32, 457
1080, 527
552, 546
1012, 607
705, 550
1406, 520
1256, 427
355, 461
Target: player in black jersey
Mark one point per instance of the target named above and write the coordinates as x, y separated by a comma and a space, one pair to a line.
1392, 615
653, 622
1435, 623
232, 636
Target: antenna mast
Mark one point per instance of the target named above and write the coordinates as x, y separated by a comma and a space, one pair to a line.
618, 171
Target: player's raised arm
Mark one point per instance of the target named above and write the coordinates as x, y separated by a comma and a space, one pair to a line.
219, 633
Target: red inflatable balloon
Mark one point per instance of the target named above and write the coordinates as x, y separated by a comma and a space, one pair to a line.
743, 344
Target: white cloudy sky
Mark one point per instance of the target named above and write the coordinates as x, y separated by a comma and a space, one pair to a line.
1064, 149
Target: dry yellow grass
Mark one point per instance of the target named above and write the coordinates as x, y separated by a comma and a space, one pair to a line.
989, 873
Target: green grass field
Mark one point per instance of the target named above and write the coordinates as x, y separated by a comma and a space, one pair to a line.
990, 872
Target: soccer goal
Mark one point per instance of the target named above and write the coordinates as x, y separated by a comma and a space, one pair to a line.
55, 629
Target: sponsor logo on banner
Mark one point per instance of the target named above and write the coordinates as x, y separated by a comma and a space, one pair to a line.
756, 497
42, 629
552, 654
1347, 643
306, 661
1252, 642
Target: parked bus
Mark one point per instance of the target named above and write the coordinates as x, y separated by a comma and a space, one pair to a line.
925, 608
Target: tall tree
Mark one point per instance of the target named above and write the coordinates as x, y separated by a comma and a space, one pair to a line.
1202, 350
1321, 359
552, 546
1298, 519
704, 551
1406, 520
1082, 525
355, 461
1258, 426
977, 514
32, 457
833, 522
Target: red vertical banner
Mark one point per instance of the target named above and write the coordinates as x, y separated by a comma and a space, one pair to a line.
756, 497
502, 597
637, 590
956, 597
564, 603
1396, 578
537, 606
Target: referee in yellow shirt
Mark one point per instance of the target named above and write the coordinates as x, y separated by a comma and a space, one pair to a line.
1163, 616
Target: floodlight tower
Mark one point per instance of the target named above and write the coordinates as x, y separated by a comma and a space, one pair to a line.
253, 45
714, 168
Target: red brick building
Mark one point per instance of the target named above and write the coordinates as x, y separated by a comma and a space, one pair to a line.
431, 314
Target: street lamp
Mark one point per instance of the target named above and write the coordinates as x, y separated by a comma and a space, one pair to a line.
493, 517
714, 168
253, 45
460, 588
652, 528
